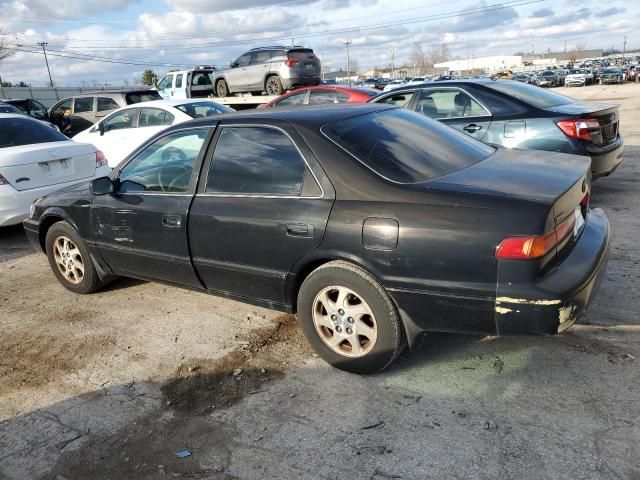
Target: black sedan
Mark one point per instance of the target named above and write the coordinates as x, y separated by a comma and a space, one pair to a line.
373, 223
518, 115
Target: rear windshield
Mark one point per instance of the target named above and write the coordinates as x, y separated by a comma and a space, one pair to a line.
536, 96
26, 131
405, 147
8, 108
547, 74
146, 96
611, 70
299, 53
203, 109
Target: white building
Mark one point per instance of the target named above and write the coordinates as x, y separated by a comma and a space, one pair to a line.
488, 64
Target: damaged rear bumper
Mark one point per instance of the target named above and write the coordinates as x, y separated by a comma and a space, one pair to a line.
558, 299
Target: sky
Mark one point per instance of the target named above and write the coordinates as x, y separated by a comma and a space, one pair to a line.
132, 35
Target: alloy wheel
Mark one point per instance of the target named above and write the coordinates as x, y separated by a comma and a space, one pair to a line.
68, 260
344, 321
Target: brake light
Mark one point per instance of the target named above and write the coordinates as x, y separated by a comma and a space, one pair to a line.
585, 200
290, 62
581, 128
101, 159
534, 246
3, 181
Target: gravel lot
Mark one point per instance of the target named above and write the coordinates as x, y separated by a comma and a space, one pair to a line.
113, 384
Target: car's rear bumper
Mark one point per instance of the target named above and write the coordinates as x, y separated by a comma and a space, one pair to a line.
604, 160
557, 300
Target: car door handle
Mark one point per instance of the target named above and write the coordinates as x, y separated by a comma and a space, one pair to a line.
299, 230
472, 127
172, 220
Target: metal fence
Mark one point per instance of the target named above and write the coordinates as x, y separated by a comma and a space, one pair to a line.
50, 95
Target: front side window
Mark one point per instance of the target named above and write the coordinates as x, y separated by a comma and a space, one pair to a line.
449, 103
16, 131
243, 61
120, 120
405, 147
83, 105
166, 165
106, 104
398, 100
153, 117
317, 97
166, 82
294, 99
38, 110
255, 160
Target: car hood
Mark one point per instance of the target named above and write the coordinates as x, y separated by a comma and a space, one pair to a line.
524, 174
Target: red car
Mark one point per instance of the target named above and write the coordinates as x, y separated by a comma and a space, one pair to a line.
322, 94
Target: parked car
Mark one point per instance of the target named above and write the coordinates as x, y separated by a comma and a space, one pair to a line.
118, 134
36, 160
393, 84
521, 77
576, 77
611, 75
360, 218
416, 80
322, 94
31, 107
269, 69
194, 83
88, 108
548, 78
518, 115
9, 108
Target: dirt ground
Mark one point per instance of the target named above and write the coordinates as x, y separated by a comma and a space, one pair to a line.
114, 385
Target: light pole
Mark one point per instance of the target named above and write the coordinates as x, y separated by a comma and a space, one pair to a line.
43, 45
347, 43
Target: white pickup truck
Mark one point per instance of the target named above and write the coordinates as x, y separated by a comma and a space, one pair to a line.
196, 83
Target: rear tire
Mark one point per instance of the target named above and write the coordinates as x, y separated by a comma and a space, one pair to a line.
273, 85
222, 89
349, 319
70, 259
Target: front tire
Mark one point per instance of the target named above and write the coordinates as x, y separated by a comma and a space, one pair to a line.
70, 259
273, 86
349, 319
222, 89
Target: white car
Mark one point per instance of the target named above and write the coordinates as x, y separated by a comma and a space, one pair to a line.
393, 84
416, 80
36, 160
577, 77
120, 133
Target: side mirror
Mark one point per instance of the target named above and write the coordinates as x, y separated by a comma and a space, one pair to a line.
233, 64
101, 128
102, 186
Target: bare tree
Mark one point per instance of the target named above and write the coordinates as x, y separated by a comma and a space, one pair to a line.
439, 53
5, 52
580, 46
418, 60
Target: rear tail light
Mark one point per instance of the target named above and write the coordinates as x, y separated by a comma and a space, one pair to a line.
534, 246
290, 62
585, 200
3, 181
582, 128
101, 159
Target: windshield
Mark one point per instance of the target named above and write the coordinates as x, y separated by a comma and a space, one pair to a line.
405, 147
547, 74
536, 96
576, 72
16, 131
611, 70
203, 109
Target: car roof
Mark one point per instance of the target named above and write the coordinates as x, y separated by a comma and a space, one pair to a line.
16, 115
312, 115
112, 92
171, 103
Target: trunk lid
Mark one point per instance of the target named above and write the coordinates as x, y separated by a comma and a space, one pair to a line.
607, 115
33, 166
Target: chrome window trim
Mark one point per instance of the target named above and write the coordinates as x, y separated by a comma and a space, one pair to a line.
260, 195
460, 90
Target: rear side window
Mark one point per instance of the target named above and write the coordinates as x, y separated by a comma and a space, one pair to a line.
321, 96
105, 104
201, 79
146, 96
294, 99
25, 131
179, 80
449, 103
82, 105
405, 147
255, 160
153, 117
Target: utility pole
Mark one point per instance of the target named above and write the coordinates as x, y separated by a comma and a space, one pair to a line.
565, 46
43, 45
624, 48
393, 64
347, 43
